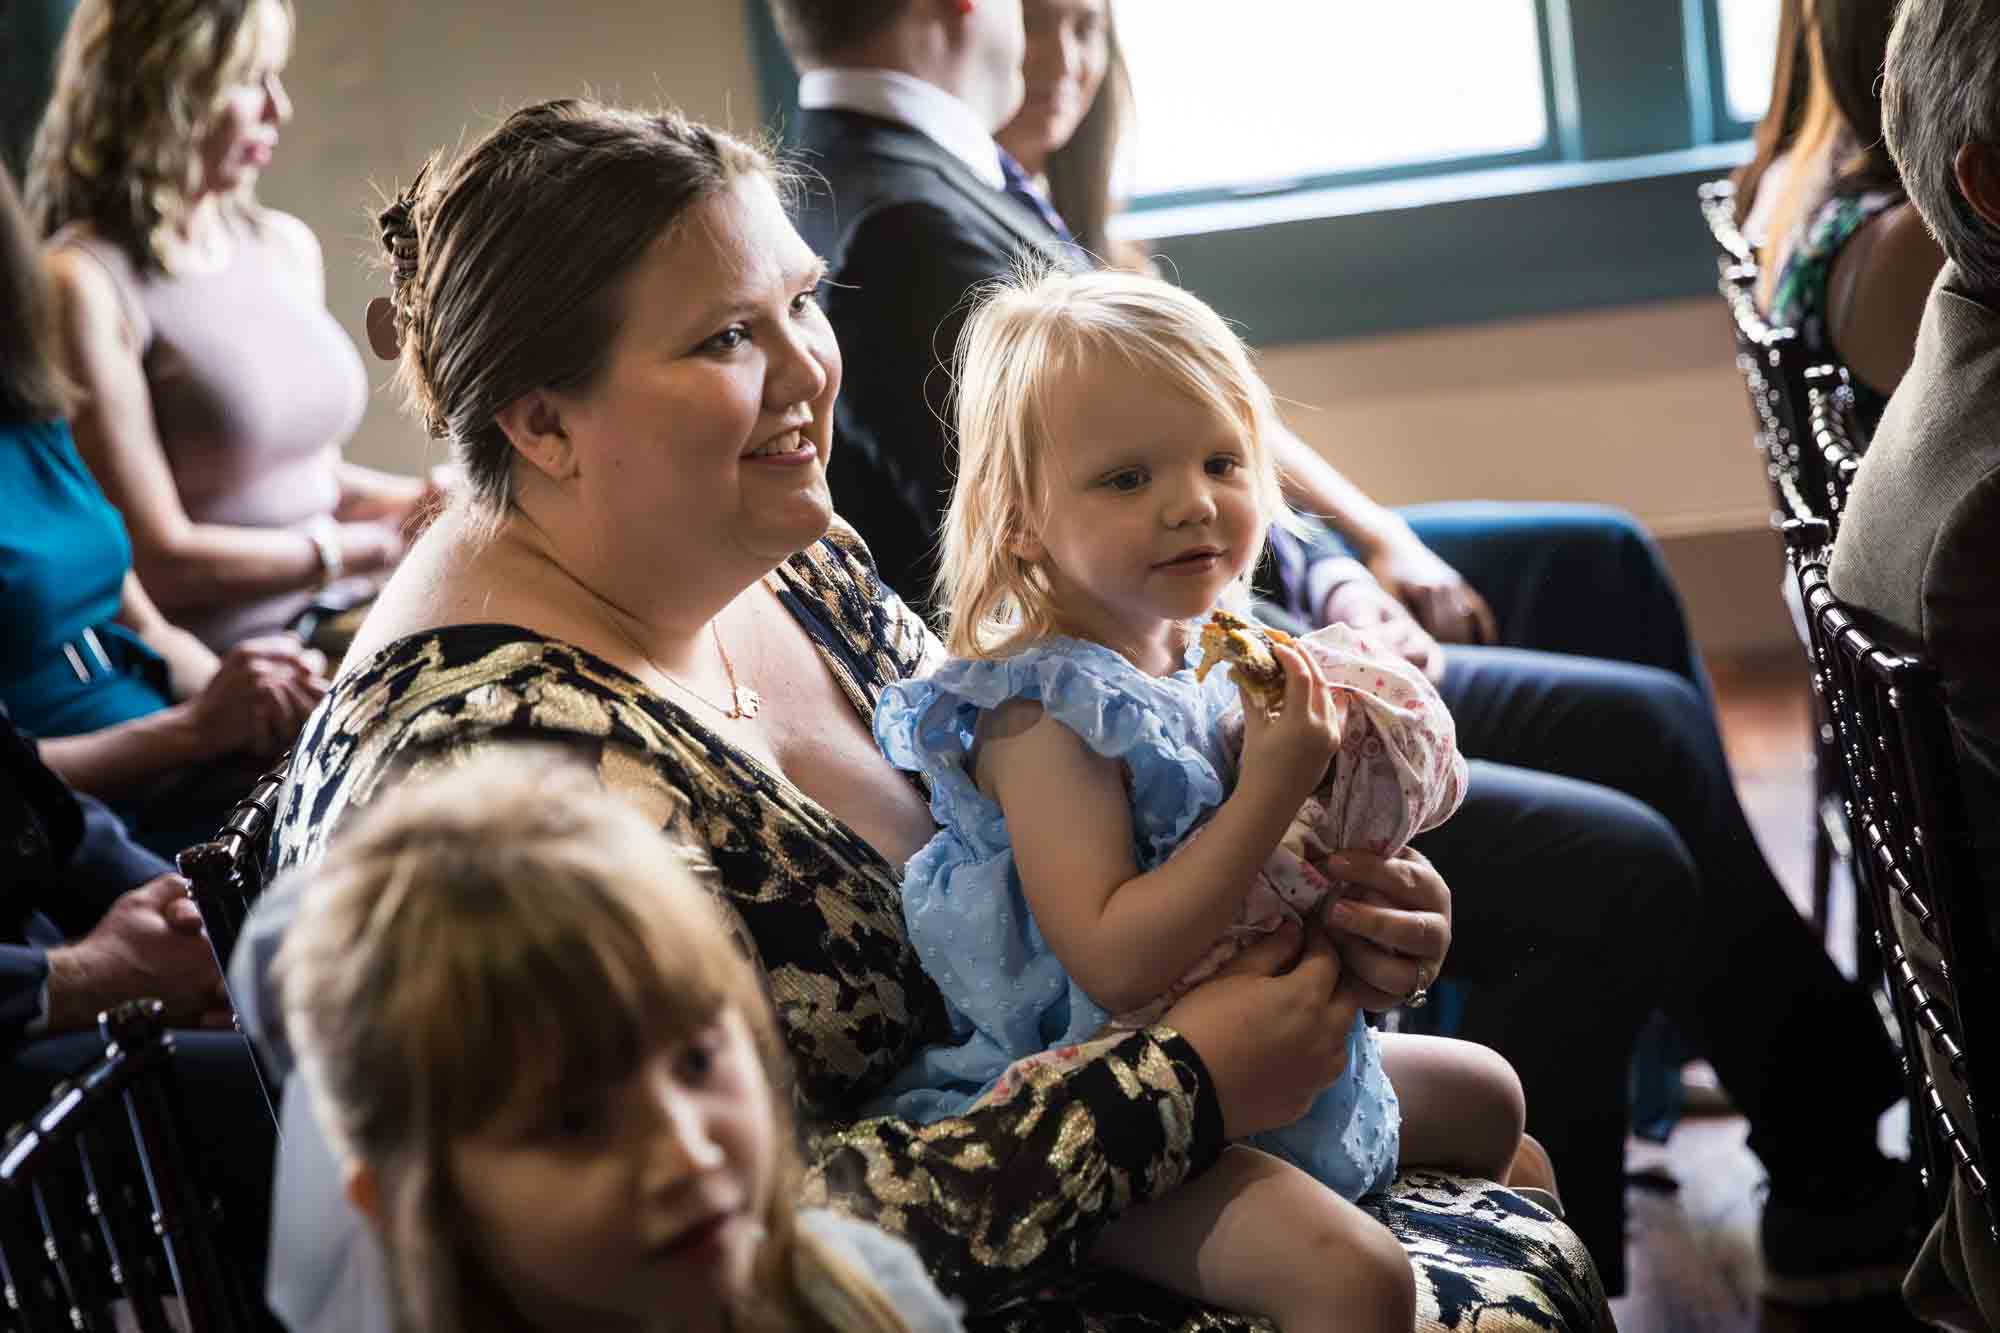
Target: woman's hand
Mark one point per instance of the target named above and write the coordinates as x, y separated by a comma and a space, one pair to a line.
1364, 605
1270, 1028
1393, 929
259, 696
369, 546
1437, 595
1285, 755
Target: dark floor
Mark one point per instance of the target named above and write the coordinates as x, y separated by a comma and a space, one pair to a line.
1692, 1249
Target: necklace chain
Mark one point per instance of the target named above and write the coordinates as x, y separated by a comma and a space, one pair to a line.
744, 701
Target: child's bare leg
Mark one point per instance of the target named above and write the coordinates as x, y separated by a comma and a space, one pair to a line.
1463, 1109
1256, 1234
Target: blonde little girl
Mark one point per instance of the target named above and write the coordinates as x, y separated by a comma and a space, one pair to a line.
1113, 488
545, 1067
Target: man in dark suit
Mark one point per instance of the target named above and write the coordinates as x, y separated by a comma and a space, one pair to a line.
927, 209
88, 920
1600, 804
1919, 546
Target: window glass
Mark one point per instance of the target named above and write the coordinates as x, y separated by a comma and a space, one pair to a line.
1749, 46
1268, 91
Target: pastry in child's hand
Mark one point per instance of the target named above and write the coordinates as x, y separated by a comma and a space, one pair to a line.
1246, 647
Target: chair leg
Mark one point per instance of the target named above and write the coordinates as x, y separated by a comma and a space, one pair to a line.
1822, 876
1867, 946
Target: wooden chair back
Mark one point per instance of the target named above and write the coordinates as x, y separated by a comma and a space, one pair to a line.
226, 876
104, 1220
1718, 209
1837, 435
227, 872
1913, 856
1772, 362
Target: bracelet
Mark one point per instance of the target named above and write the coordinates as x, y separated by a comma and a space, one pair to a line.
324, 534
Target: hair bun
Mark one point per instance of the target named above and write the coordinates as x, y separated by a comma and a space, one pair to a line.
393, 321
397, 225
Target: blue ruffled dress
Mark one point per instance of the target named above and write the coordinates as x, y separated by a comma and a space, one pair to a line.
1007, 994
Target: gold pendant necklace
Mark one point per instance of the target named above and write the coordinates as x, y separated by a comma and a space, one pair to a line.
744, 701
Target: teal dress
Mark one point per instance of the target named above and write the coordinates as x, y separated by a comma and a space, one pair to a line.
66, 666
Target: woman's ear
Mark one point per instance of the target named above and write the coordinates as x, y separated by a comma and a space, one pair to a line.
534, 426
361, 1190
1977, 170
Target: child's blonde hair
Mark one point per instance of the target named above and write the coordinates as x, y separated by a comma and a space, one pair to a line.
1035, 335
499, 934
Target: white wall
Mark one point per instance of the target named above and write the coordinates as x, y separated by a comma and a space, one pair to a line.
1638, 407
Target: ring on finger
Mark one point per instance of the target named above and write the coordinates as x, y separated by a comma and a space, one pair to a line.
1420, 996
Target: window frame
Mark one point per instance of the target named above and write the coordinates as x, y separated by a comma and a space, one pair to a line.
1601, 215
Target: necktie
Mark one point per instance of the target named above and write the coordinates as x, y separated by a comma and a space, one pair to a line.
1023, 189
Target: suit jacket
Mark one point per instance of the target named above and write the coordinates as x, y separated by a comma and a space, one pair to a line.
63, 860
1919, 555
910, 233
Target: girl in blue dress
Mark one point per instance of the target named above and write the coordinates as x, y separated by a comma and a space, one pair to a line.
1113, 489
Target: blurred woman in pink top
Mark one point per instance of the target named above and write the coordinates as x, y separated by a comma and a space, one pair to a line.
218, 389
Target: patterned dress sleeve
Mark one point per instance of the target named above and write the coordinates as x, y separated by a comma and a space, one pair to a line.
1004, 1201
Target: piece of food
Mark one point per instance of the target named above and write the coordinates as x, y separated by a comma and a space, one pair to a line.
1246, 647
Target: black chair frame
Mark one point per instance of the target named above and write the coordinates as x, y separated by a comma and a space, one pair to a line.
1718, 209
100, 1201
1797, 468
1900, 765
1836, 434
226, 876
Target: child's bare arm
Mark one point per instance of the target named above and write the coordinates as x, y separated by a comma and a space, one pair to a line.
1127, 936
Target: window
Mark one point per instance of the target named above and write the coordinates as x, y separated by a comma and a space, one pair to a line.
1749, 45
1345, 168
1287, 91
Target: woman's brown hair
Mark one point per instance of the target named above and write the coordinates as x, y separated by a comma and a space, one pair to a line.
489, 934
32, 387
1079, 172
121, 142
1841, 123
1790, 79
507, 267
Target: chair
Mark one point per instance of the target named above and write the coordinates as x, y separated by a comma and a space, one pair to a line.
101, 1204
227, 871
226, 875
1718, 209
1772, 362
1900, 777
1836, 433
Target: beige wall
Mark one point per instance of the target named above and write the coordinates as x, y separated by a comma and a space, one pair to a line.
1637, 407
379, 83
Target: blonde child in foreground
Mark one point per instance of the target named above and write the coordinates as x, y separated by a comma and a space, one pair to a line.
546, 1068
1113, 486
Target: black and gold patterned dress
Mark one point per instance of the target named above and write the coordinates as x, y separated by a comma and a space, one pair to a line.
1002, 1203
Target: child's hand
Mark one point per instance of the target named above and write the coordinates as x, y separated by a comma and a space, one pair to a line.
1285, 755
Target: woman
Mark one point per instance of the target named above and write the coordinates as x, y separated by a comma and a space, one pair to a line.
1843, 256
1069, 125
639, 385
130, 708
218, 390
1600, 748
